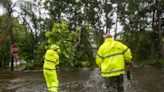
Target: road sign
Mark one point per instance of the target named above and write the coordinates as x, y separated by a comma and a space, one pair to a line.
14, 48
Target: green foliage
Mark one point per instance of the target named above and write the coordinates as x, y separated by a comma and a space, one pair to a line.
76, 49
84, 50
141, 45
154, 62
142, 23
65, 39
142, 32
20, 35
82, 12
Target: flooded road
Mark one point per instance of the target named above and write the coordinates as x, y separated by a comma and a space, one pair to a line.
144, 79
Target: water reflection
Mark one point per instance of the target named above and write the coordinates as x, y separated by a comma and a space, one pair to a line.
143, 80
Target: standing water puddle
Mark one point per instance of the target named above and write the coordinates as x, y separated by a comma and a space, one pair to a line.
144, 79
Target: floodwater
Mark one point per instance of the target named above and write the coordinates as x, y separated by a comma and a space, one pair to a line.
144, 79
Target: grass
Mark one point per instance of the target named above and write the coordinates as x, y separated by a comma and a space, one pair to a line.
154, 62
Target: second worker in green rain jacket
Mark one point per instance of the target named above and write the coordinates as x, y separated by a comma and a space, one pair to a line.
51, 59
111, 58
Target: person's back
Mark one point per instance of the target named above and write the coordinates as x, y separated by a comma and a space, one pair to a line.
111, 59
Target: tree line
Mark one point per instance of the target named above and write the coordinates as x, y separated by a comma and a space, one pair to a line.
77, 27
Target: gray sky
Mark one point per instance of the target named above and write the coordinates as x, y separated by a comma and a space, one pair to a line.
2, 9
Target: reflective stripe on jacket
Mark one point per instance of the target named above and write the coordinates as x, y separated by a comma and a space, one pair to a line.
51, 59
111, 57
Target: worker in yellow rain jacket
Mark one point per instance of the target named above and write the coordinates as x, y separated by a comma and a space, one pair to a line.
112, 57
51, 59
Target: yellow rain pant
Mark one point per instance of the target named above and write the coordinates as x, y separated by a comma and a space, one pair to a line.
51, 80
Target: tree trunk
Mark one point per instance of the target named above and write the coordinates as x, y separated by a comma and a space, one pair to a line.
9, 29
115, 35
159, 30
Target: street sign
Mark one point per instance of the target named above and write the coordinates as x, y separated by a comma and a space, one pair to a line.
14, 50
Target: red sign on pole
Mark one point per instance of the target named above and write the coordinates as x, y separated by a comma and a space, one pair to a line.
14, 50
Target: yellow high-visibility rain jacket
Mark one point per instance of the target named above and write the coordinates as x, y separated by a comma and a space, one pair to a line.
111, 58
51, 59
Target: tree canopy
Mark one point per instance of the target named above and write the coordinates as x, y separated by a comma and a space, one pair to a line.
77, 26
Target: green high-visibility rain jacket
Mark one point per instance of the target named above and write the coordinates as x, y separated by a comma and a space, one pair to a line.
111, 57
